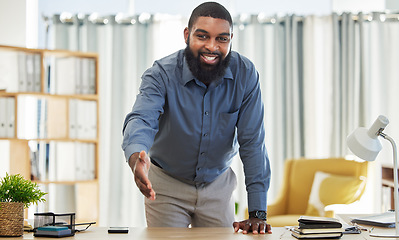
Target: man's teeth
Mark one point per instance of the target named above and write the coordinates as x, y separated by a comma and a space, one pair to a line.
210, 58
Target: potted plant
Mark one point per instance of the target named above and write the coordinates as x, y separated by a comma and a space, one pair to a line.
16, 194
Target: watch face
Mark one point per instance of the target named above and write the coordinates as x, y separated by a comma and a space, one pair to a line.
261, 215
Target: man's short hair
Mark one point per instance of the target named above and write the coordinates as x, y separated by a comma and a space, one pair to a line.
210, 9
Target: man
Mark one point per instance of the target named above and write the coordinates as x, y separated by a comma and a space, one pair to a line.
196, 108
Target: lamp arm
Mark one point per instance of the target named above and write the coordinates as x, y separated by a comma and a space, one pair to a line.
395, 179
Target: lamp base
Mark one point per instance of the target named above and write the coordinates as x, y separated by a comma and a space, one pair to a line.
385, 235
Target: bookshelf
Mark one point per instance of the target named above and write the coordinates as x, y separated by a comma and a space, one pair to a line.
388, 188
49, 131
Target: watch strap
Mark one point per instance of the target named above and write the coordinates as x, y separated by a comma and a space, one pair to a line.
258, 214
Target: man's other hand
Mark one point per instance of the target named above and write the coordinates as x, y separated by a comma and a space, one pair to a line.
140, 164
254, 225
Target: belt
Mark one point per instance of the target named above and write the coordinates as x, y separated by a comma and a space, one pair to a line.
156, 164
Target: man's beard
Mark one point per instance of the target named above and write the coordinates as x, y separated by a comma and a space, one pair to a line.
211, 73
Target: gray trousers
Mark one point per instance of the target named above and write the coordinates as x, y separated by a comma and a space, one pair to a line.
181, 204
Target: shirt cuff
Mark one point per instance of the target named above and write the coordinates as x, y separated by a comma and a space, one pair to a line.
133, 148
257, 201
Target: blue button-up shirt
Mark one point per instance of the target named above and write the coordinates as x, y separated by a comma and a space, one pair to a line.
193, 131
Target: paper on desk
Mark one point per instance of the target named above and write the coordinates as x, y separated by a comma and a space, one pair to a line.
386, 219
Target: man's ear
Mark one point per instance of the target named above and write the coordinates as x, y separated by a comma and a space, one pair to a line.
186, 34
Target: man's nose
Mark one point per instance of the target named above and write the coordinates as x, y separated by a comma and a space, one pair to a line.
212, 45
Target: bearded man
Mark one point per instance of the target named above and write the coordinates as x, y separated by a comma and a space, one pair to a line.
196, 109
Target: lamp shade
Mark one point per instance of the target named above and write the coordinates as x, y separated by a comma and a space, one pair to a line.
364, 142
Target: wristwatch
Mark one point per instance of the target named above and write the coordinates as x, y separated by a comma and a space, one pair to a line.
258, 214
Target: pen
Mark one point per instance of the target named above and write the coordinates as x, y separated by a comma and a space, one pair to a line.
360, 227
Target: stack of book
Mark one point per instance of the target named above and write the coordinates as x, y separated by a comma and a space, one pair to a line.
53, 231
311, 227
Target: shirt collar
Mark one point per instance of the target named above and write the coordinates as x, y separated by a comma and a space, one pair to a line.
187, 75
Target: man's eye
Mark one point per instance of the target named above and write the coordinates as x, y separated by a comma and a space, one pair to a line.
223, 39
201, 36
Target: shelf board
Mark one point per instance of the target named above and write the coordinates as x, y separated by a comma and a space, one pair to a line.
93, 97
94, 181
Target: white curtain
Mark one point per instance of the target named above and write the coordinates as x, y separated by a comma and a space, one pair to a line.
321, 77
274, 45
381, 73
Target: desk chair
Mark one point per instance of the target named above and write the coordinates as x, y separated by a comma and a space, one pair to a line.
311, 184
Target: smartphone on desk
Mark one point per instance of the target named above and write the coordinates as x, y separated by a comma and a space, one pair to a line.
118, 230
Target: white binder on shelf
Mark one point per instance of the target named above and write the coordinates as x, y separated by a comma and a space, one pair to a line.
85, 79
92, 119
73, 120
80, 68
42, 118
79, 158
65, 75
3, 117
91, 168
22, 73
65, 161
34, 153
44, 160
86, 118
10, 117
80, 119
51, 156
85, 161
37, 73
92, 76
30, 72
27, 117
50, 78
39, 164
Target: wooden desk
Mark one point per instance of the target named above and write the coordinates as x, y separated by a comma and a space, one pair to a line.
100, 233
346, 218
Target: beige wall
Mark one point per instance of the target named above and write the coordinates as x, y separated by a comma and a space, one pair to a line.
13, 22
355, 6
392, 5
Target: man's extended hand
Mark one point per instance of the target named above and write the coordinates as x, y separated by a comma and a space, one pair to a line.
140, 164
254, 225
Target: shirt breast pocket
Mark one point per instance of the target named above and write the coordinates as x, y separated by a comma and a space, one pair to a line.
227, 123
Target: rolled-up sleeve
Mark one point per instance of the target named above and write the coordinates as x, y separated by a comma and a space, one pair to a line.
141, 125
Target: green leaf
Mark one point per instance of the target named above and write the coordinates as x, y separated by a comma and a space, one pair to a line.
14, 188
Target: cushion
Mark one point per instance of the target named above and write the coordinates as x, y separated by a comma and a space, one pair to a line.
283, 220
328, 189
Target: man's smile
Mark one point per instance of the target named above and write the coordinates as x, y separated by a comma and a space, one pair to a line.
210, 58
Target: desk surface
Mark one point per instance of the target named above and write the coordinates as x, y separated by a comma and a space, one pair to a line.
346, 218
100, 233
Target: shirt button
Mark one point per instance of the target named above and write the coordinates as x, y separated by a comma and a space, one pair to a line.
203, 153
205, 134
206, 113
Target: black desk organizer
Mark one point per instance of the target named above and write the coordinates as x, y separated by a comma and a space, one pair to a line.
53, 219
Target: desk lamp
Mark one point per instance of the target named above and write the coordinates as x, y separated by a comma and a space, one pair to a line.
364, 143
